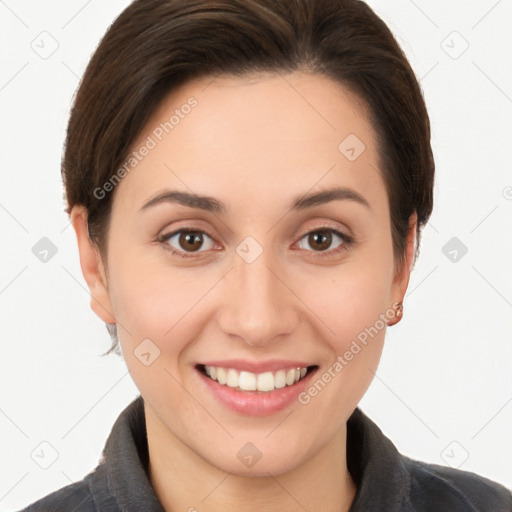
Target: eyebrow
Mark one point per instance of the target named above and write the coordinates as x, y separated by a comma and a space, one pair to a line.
213, 205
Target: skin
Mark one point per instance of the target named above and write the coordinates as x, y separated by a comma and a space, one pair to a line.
294, 301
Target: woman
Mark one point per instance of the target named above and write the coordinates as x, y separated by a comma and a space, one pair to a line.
248, 182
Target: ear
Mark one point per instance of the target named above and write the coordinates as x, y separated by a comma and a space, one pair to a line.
403, 273
92, 266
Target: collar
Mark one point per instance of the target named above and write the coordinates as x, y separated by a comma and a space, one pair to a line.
121, 480
379, 471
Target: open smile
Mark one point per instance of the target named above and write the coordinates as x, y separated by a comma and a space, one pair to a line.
256, 393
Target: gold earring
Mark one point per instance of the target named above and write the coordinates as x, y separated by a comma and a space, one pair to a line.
399, 309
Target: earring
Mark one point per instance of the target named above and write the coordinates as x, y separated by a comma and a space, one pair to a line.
399, 311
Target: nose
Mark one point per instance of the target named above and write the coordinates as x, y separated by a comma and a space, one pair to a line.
258, 305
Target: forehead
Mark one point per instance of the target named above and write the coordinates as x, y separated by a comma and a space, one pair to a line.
266, 131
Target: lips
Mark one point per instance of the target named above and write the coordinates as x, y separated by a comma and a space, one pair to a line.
270, 384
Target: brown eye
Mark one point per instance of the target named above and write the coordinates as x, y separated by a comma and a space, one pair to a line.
190, 240
187, 240
321, 240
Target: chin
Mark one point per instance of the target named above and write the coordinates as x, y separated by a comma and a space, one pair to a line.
262, 468
258, 458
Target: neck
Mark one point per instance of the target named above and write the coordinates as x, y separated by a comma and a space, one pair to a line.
183, 481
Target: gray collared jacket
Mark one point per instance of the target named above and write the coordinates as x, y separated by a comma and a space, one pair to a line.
386, 480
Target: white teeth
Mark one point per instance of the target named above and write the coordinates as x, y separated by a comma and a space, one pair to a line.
266, 381
280, 379
248, 381
221, 374
233, 378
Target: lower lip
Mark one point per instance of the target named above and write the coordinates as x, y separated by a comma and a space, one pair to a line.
257, 403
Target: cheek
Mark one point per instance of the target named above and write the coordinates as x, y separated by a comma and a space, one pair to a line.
159, 316
152, 301
352, 311
348, 301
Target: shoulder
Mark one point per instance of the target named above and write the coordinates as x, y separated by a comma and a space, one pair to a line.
437, 488
75, 496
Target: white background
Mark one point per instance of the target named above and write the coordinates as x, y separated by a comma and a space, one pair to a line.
446, 370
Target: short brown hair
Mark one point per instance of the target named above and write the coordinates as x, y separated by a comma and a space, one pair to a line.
156, 45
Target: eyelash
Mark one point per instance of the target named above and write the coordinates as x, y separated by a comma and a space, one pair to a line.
348, 241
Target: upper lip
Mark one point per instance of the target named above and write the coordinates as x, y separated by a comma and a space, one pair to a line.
272, 365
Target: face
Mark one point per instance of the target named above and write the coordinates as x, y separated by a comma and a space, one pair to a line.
264, 274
